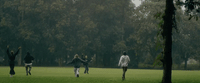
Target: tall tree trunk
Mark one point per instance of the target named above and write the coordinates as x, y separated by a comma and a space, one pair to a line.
185, 67
106, 60
167, 35
186, 59
179, 66
136, 60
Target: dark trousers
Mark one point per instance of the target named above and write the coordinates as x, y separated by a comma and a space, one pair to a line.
12, 72
28, 70
86, 69
124, 71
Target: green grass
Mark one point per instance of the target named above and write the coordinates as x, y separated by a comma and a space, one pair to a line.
96, 75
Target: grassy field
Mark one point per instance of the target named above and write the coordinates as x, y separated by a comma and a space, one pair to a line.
96, 75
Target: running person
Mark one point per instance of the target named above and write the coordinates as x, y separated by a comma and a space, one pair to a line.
11, 57
28, 63
86, 64
76, 62
123, 62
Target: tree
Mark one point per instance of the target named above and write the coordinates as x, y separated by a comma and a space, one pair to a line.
167, 36
169, 23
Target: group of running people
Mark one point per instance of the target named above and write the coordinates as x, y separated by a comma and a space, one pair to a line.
27, 60
76, 61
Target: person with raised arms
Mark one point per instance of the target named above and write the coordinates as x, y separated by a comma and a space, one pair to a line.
11, 57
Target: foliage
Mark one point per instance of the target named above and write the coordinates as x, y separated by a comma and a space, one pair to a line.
54, 31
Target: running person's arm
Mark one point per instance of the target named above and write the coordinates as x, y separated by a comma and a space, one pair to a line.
90, 60
120, 61
32, 58
82, 61
71, 62
128, 59
17, 51
8, 51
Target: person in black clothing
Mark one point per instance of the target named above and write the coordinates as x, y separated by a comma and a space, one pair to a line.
76, 62
86, 64
11, 57
28, 63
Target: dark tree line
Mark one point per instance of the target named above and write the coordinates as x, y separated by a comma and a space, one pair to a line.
53, 31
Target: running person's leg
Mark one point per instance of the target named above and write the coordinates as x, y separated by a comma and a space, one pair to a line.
85, 69
26, 66
77, 71
126, 69
12, 72
29, 66
124, 72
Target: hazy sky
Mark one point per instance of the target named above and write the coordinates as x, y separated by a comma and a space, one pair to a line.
136, 2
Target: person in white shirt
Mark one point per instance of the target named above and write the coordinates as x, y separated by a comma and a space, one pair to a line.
123, 62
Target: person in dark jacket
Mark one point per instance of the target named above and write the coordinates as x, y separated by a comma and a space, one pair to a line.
28, 63
86, 64
11, 57
76, 62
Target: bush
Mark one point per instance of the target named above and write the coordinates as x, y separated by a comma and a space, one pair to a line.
190, 67
193, 67
174, 66
145, 66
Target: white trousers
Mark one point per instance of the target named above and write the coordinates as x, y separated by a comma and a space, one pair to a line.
26, 64
76, 71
